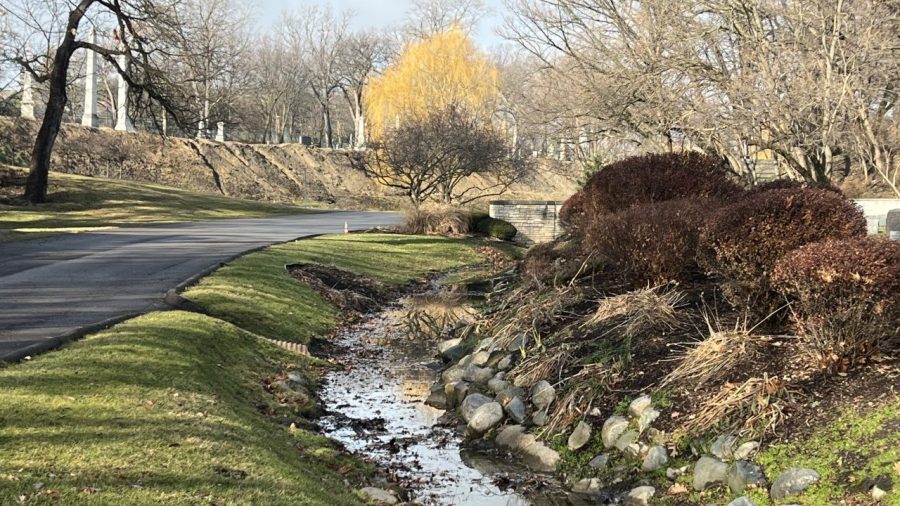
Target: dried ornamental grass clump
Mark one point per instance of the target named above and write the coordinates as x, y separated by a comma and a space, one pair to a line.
436, 220
639, 311
742, 242
847, 297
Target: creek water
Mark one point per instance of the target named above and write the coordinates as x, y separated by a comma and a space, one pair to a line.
375, 408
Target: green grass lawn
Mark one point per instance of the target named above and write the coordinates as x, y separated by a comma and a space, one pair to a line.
78, 204
255, 293
171, 407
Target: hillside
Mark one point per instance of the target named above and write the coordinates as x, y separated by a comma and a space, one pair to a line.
289, 173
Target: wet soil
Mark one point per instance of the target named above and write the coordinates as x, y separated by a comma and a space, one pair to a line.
375, 408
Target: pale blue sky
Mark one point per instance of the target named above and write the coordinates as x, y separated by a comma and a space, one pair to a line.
380, 13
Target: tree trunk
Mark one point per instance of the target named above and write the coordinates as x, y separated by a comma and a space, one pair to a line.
326, 120
39, 175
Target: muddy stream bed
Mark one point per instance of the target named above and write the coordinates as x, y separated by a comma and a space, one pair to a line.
375, 407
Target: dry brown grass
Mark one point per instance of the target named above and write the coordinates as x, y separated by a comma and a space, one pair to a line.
436, 220
429, 316
639, 311
752, 407
581, 392
716, 357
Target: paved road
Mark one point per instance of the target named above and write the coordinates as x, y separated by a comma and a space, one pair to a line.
55, 287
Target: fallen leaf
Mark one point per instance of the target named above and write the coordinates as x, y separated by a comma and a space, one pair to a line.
677, 489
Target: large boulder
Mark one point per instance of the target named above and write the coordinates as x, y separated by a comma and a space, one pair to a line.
515, 409
533, 453
656, 458
744, 473
613, 427
580, 436
792, 482
709, 471
485, 418
478, 375
471, 404
542, 394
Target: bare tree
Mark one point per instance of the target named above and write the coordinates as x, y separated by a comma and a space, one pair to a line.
362, 55
148, 32
319, 35
798, 81
438, 155
428, 17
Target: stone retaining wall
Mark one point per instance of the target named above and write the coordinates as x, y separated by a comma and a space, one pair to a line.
536, 220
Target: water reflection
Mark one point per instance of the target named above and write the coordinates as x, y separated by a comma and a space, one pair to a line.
378, 411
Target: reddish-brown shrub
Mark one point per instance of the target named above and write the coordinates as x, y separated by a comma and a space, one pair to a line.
557, 262
846, 294
789, 184
652, 243
572, 211
741, 242
656, 178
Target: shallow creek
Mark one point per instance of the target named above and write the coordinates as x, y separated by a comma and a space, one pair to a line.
376, 409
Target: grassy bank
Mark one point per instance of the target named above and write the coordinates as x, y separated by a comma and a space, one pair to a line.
173, 407
255, 293
78, 204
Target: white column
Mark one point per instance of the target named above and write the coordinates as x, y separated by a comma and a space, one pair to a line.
220, 131
26, 106
123, 123
89, 118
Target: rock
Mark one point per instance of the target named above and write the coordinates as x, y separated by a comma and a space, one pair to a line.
626, 439
741, 501
877, 493
437, 399
542, 394
486, 344
508, 438
587, 486
379, 496
743, 474
534, 454
709, 471
638, 406
746, 450
520, 342
640, 496
507, 395
443, 346
648, 416
723, 447
655, 459
496, 385
632, 451
453, 374
515, 409
485, 418
613, 427
480, 358
471, 403
673, 473
505, 363
600, 461
460, 392
540, 418
792, 482
580, 436
478, 375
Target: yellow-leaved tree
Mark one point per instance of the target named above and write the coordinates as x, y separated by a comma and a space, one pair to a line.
443, 71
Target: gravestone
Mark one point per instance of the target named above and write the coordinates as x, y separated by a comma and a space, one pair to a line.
89, 116
220, 131
123, 123
26, 107
893, 224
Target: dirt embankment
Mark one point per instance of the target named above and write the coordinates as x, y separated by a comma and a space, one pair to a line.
278, 173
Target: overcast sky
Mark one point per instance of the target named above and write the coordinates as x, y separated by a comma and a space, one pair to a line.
378, 14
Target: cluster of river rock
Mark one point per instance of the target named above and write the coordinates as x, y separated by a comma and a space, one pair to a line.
477, 387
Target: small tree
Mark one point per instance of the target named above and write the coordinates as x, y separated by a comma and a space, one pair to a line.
148, 32
435, 157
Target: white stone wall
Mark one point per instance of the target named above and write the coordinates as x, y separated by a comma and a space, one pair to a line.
876, 211
536, 221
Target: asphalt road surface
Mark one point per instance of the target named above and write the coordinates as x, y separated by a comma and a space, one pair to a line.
56, 288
